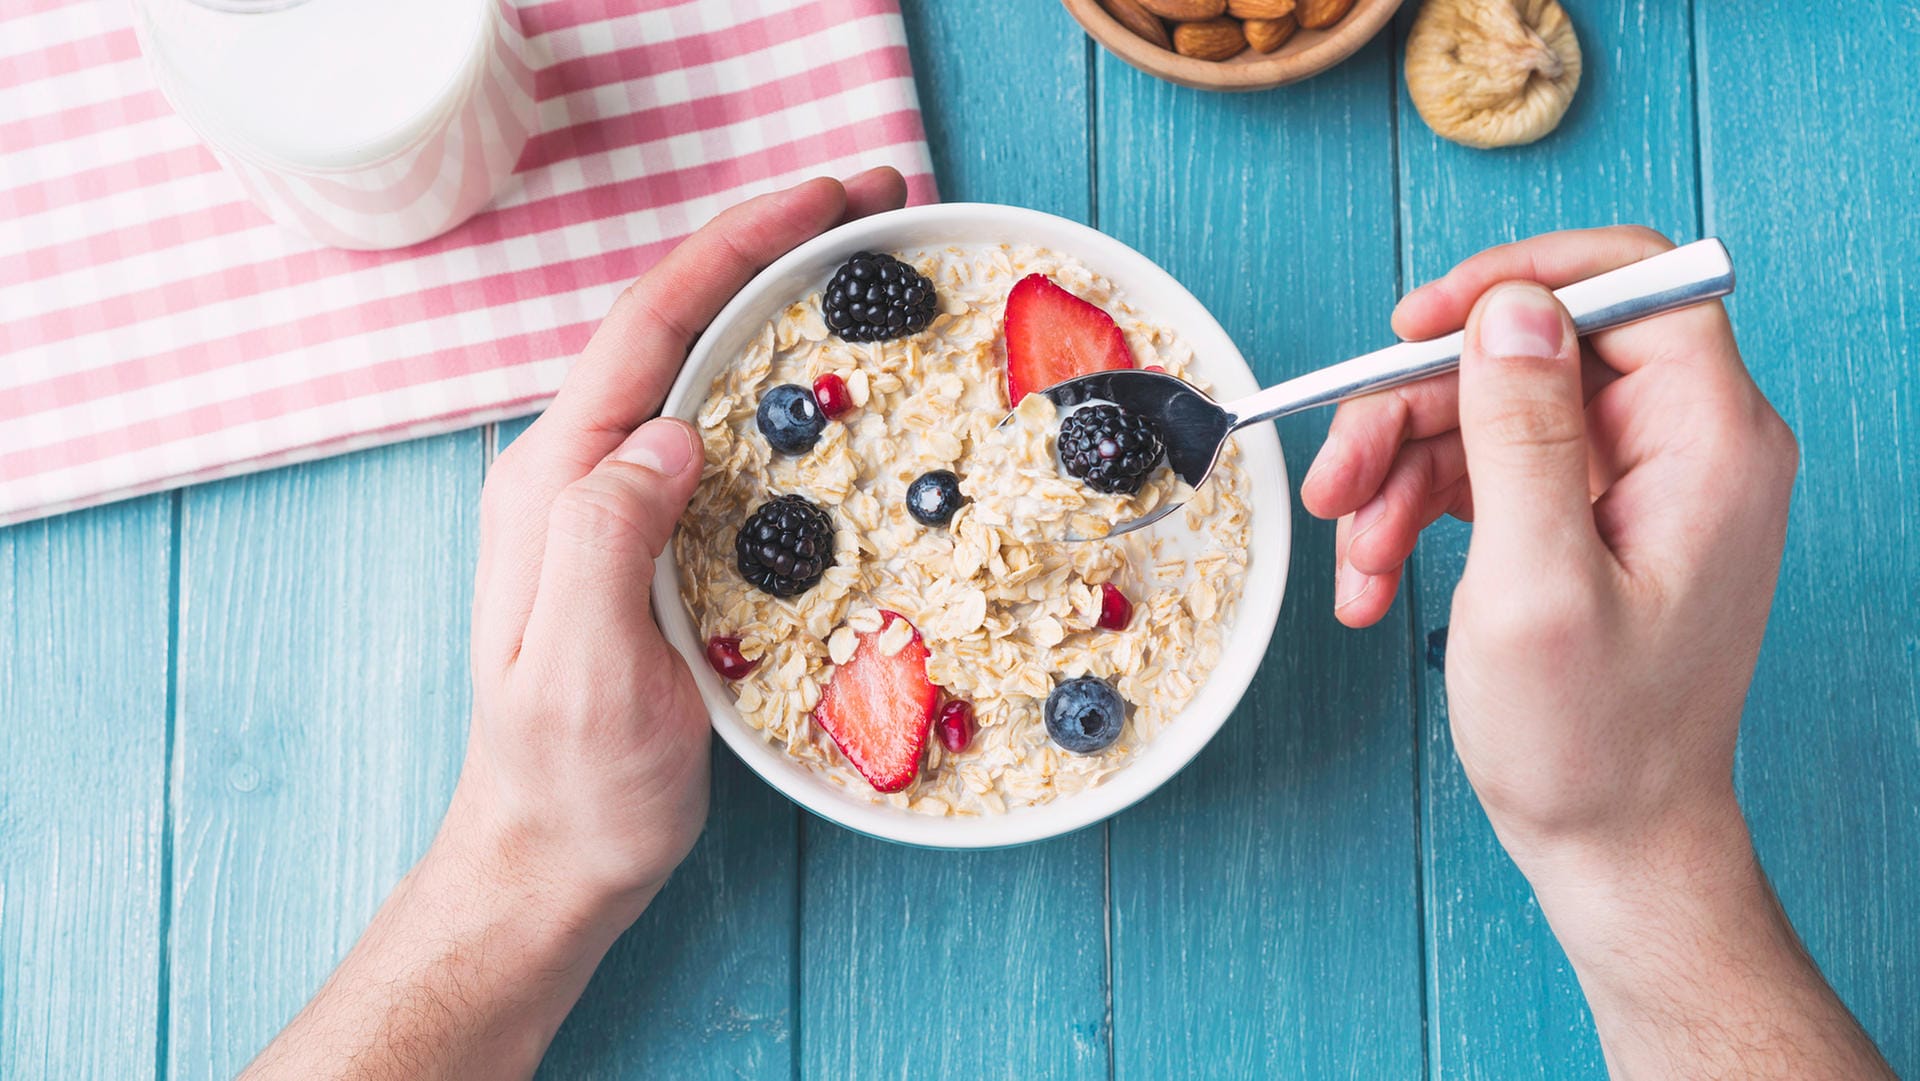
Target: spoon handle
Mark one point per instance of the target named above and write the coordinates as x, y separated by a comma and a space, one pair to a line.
1662, 283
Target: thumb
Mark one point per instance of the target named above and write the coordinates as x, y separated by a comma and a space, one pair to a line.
606, 530
1523, 424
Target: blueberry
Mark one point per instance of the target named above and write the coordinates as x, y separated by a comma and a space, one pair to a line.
1085, 715
933, 497
790, 419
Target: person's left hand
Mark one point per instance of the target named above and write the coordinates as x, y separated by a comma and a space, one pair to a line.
586, 768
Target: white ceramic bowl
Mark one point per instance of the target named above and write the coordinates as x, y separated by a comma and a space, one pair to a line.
1158, 297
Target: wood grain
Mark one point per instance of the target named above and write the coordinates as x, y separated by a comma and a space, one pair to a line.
83, 749
322, 711
1502, 1000
702, 986
990, 964
1265, 909
1813, 177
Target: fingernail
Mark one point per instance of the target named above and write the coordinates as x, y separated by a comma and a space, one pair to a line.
663, 446
1328, 451
1349, 585
1403, 301
1366, 518
1520, 321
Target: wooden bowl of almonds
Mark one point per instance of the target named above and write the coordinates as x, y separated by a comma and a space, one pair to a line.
1232, 44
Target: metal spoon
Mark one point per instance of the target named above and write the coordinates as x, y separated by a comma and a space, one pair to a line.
1196, 427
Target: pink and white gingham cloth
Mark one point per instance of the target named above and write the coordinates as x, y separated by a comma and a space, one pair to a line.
157, 330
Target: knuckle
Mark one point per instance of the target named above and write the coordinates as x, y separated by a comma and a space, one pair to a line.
500, 495
1649, 237
1724, 433
1741, 431
1783, 447
595, 513
1553, 618
635, 296
1418, 469
640, 303
1536, 425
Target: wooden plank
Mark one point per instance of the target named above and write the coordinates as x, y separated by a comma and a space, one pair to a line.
321, 714
990, 964
1813, 177
943, 964
83, 763
703, 984
1502, 1001
1265, 902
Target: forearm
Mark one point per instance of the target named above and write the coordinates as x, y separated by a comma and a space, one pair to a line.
465, 972
1690, 965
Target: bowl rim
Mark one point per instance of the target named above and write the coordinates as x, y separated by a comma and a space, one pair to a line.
1257, 609
1335, 44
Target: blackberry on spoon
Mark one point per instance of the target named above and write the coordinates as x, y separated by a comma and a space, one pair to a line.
1112, 449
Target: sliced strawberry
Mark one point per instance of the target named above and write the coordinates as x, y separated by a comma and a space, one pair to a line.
1053, 336
878, 709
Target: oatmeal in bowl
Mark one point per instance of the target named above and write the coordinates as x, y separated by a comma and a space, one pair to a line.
870, 582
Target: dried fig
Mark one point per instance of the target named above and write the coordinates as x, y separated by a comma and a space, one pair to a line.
1491, 73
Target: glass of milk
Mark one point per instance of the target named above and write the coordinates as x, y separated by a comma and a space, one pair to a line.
363, 123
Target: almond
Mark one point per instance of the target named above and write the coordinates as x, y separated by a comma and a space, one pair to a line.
1319, 14
1135, 17
1267, 35
1259, 9
1209, 39
1186, 10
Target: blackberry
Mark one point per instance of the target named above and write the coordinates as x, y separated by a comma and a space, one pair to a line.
1111, 448
876, 298
785, 546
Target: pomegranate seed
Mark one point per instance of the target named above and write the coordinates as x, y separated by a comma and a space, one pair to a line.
956, 725
1155, 368
724, 655
1116, 611
831, 392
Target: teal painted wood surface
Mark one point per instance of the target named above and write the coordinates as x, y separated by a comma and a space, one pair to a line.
1502, 1001
319, 723
193, 828
83, 764
702, 986
1813, 175
1265, 903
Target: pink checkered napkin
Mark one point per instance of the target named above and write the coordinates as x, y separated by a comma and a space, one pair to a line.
157, 330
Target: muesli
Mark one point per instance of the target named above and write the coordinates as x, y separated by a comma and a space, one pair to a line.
872, 563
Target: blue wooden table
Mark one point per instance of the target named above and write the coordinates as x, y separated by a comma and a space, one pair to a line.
230, 716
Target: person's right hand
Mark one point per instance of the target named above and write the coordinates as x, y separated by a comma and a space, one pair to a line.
1629, 508
1629, 502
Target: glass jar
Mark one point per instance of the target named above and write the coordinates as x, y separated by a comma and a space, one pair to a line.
363, 123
